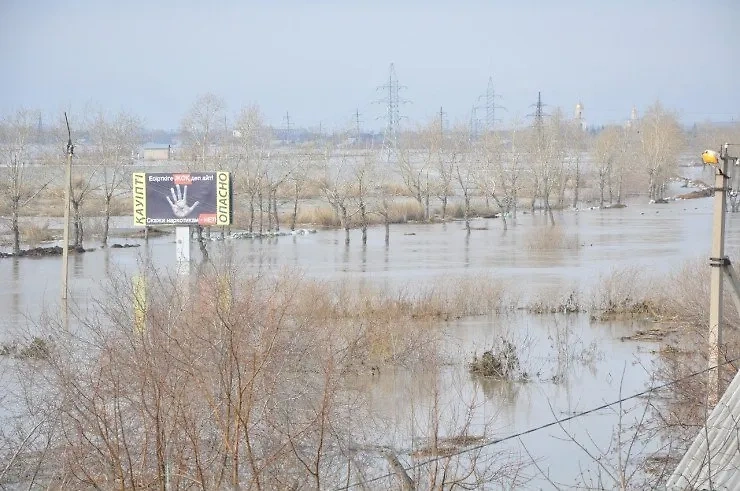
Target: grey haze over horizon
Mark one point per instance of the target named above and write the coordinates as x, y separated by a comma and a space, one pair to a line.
320, 61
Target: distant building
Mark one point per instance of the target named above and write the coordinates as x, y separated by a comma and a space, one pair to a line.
157, 151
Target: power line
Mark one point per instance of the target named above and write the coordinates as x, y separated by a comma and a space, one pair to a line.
538, 428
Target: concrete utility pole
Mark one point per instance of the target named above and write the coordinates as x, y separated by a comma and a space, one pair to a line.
442, 115
721, 266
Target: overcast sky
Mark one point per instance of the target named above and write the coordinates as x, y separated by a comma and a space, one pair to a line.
322, 60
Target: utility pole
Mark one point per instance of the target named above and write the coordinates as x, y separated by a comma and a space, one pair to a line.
65, 235
720, 266
441, 121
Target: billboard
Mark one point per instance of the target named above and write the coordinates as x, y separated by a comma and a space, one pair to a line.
182, 198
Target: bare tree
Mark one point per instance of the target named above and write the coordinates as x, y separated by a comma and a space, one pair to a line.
250, 143
337, 188
202, 128
114, 140
19, 185
499, 173
383, 204
466, 170
414, 175
609, 155
577, 143
661, 140
364, 175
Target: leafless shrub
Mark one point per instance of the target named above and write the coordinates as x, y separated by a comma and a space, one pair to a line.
556, 300
624, 292
568, 349
680, 298
224, 380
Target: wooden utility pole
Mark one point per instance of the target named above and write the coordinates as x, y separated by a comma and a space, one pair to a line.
67, 190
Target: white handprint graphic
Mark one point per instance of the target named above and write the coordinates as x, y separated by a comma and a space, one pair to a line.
179, 202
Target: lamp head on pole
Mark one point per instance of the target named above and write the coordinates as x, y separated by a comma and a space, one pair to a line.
710, 157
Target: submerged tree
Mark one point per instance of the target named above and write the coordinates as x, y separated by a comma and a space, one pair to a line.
661, 140
114, 140
19, 185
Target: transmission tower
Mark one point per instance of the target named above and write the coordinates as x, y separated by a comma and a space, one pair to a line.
491, 106
539, 114
474, 123
392, 101
442, 115
357, 125
287, 127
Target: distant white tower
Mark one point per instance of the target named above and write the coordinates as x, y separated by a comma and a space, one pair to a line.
579, 115
633, 117
579, 112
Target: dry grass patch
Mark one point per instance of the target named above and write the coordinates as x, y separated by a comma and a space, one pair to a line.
548, 237
405, 210
321, 215
34, 234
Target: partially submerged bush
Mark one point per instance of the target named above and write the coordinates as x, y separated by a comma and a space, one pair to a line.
37, 348
554, 302
501, 362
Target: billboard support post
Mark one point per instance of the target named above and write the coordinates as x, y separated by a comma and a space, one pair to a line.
182, 250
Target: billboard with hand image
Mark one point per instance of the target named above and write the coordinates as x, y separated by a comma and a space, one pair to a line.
179, 198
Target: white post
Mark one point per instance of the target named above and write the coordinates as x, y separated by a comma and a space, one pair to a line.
717, 261
182, 250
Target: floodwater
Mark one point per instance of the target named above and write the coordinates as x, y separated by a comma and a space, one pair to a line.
597, 366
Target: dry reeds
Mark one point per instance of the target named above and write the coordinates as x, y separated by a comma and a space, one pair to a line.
548, 237
405, 210
319, 215
34, 234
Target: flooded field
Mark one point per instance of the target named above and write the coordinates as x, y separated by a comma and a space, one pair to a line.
572, 364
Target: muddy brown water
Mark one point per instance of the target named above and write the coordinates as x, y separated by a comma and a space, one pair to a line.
657, 238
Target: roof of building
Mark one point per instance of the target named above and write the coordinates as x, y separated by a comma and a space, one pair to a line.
156, 146
713, 459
